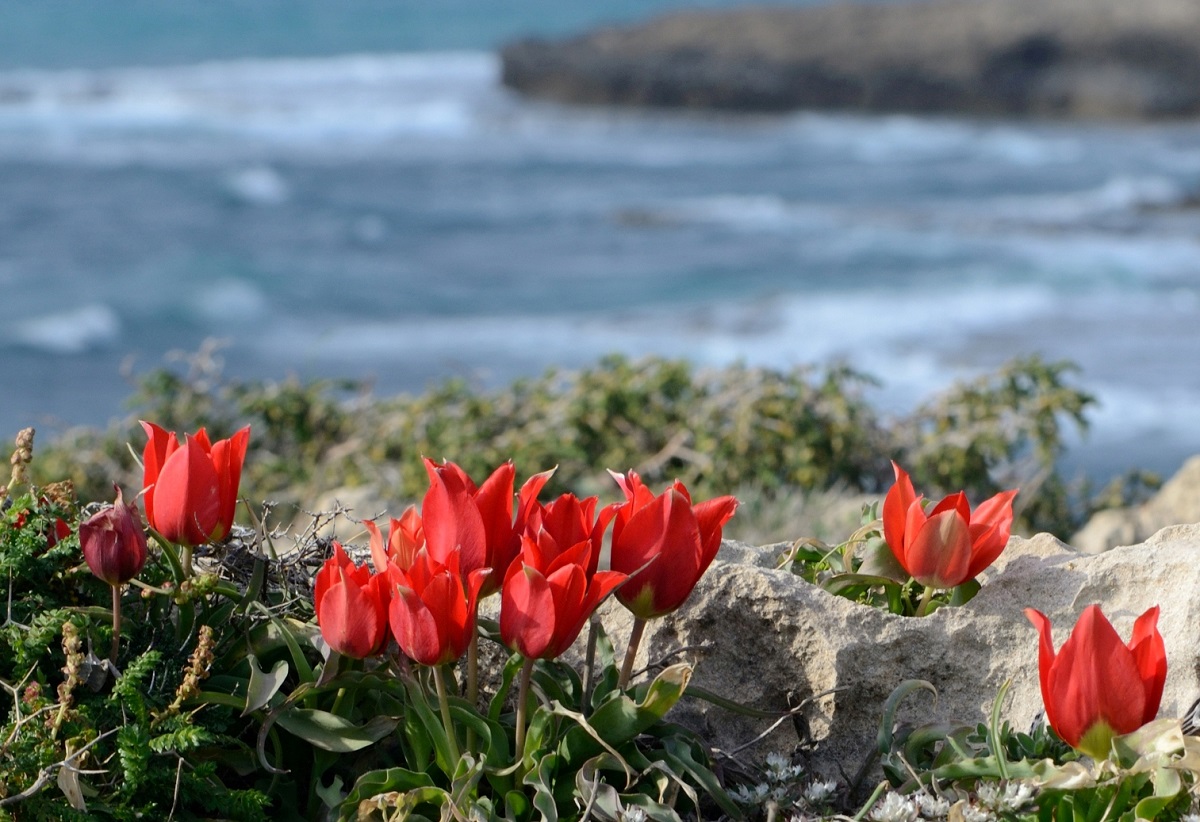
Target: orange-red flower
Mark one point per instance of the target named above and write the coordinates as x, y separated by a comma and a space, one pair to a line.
546, 600
478, 520
114, 542
191, 486
663, 542
432, 612
948, 545
1097, 687
352, 606
406, 536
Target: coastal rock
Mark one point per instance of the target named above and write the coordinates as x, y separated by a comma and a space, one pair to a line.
1060, 58
770, 640
1178, 501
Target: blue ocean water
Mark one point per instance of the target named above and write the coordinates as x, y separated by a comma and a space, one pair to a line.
344, 189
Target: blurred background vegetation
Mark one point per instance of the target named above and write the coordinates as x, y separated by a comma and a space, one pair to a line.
802, 449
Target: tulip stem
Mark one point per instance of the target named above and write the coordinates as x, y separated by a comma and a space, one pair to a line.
635, 639
440, 682
472, 683
185, 560
522, 699
116, 637
926, 598
588, 664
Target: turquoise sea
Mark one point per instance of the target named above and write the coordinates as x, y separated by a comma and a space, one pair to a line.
344, 188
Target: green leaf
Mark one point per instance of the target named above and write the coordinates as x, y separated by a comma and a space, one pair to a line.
879, 561
263, 686
374, 783
334, 733
620, 719
890, 707
964, 593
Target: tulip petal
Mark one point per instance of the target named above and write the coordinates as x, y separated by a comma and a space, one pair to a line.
1150, 656
940, 552
711, 517
991, 525
896, 505
527, 615
349, 619
451, 520
1095, 680
186, 498
1045, 663
227, 458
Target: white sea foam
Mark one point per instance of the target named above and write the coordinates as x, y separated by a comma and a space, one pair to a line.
258, 185
299, 102
903, 139
72, 331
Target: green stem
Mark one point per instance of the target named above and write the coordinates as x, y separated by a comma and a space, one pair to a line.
635, 639
588, 664
337, 702
440, 682
472, 684
522, 699
116, 638
926, 598
185, 560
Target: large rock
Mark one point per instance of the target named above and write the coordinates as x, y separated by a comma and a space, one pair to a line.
1178, 501
770, 636
1087, 58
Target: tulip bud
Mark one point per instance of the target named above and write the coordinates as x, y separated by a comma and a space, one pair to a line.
114, 542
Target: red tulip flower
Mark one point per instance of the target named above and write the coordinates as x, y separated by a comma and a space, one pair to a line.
191, 486
663, 542
563, 524
352, 606
1097, 687
406, 536
114, 542
432, 613
477, 520
948, 545
545, 600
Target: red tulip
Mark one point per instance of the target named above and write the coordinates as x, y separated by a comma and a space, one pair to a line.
1096, 687
563, 524
545, 600
352, 606
114, 542
477, 520
191, 487
432, 613
948, 545
406, 536
664, 543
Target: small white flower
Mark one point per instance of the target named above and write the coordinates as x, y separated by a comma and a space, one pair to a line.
819, 793
932, 807
745, 795
631, 815
1010, 797
894, 808
977, 813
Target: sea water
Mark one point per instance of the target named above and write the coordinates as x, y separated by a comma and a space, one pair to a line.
362, 198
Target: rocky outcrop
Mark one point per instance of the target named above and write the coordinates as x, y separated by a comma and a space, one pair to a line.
1063, 58
1178, 501
771, 640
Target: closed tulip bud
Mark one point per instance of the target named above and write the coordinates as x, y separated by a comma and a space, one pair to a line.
1097, 687
191, 486
351, 605
114, 542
